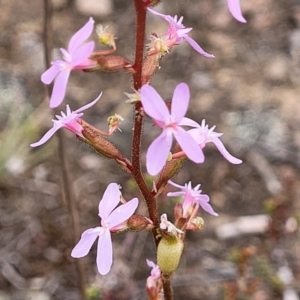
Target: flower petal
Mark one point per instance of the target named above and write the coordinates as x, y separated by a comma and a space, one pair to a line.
85, 243
109, 201
176, 194
153, 104
189, 146
176, 185
165, 17
188, 122
104, 253
122, 213
180, 102
157, 153
47, 135
82, 53
197, 135
235, 9
59, 88
81, 35
206, 206
49, 75
85, 107
197, 47
225, 153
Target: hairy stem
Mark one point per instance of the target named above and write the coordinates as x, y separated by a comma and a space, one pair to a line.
151, 200
138, 114
66, 188
168, 292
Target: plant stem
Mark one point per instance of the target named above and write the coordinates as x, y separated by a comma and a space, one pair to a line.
138, 113
151, 200
168, 292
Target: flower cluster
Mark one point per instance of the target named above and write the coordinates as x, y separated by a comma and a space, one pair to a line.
180, 138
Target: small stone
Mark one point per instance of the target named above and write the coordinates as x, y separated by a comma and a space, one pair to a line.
4, 296
95, 7
37, 283
37, 295
53, 255
277, 68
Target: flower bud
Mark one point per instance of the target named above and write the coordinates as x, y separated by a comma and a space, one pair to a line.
150, 65
169, 171
104, 147
99, 143
111, 63
137, 223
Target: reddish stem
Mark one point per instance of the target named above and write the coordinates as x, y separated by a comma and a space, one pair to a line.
138, 117
151, 200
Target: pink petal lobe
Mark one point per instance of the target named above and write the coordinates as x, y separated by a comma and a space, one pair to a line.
180, 101
189, 146
82, 53
85, 107
197, 47
235, 9
225, 153
207, 207
85, 243
81, 35
104, 253
122, 213
188, 122
49, 75
157, 153
165, 17
47, 136
153, 104
59, 88
175, 194
109, 201
176, 185
196, 134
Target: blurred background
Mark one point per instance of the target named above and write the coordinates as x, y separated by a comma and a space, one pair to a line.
250, 91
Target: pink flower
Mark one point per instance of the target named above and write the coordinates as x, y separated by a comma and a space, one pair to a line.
155, 272
170, 123
75, 58
177, 32
153, 284
191, 196
112, 219
203, 135
235, 9
70, 121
